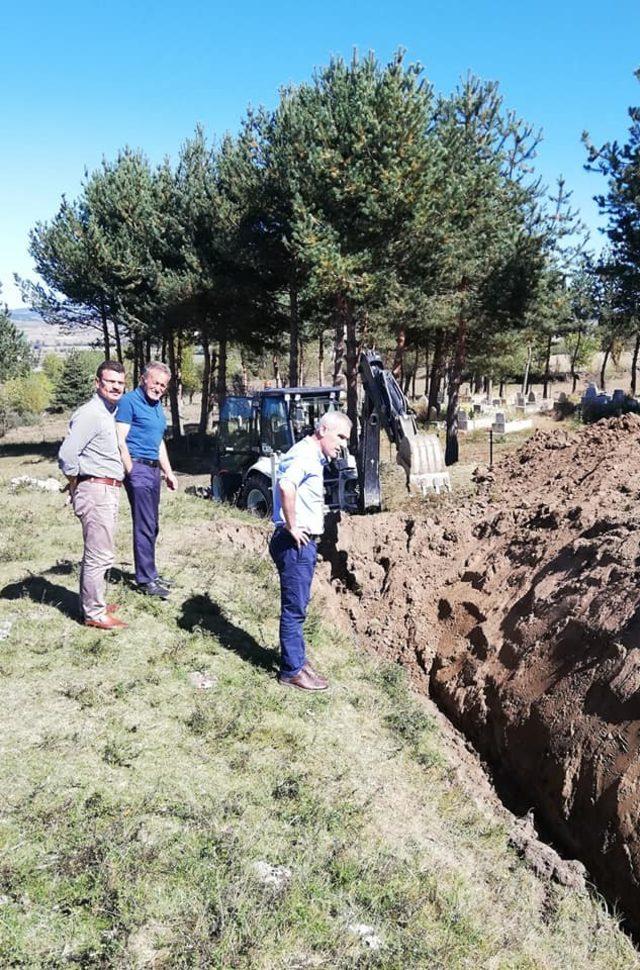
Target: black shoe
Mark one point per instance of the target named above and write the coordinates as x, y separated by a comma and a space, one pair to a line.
154, 589
165, 582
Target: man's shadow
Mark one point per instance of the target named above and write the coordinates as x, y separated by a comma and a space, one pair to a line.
200, 611
41, 590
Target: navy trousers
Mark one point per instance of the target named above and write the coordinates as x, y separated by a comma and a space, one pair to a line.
143, 491
295, 568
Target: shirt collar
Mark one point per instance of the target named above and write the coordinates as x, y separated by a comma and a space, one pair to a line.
110, 407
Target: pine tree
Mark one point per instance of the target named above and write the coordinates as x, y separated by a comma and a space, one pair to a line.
15, 354
75, 384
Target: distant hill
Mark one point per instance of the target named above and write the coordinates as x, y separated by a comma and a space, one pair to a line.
48, 336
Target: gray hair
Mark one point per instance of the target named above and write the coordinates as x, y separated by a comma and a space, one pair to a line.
330, 419
155, 365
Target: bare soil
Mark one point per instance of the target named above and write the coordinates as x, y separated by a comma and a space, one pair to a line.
520, 612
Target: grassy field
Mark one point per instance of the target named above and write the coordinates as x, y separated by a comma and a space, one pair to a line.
148, 821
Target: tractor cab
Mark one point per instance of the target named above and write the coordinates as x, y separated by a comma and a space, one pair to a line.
253, 429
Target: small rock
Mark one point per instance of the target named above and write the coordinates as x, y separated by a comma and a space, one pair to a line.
268, 875
367, 934
43, 484
201, 680
5, 629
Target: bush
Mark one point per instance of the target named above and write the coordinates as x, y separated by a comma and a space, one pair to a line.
30, 394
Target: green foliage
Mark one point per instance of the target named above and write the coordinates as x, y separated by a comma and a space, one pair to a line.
53, 365
30, 394
190, 375
15, 354
75, 384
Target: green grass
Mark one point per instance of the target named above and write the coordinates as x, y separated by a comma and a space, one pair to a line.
135, 807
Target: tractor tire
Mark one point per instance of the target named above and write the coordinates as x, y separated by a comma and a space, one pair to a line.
255, 496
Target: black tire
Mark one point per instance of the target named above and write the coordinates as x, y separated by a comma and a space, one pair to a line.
255, 496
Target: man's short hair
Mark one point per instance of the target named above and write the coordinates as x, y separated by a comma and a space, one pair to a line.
155, 365
113, 365
331, 418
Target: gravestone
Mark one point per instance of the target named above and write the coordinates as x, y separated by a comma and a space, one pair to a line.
531, 399
463, 421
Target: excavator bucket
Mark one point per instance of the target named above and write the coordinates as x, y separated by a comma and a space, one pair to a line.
423, 461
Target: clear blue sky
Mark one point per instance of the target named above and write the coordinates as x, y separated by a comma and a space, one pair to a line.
80, 80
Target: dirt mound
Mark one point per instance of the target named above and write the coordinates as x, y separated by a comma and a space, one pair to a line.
522, 612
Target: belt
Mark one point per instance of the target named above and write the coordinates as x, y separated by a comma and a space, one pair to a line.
100, 481
313, 536
147, 461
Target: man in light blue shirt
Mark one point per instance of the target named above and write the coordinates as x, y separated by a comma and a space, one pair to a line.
298, 515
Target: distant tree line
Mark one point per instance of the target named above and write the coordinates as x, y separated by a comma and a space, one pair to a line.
363, 210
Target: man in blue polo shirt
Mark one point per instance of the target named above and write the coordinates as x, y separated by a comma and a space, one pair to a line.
140, 424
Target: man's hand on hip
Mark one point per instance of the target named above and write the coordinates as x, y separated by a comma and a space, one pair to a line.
299, 536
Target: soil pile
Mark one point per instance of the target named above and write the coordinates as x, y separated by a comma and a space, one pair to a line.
522, 611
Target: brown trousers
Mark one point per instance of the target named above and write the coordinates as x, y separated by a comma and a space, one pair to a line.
96, 506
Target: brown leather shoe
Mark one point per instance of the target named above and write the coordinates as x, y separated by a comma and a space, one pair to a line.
109, 623
314, 673
305, 679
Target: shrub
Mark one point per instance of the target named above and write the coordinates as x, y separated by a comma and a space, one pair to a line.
30, 394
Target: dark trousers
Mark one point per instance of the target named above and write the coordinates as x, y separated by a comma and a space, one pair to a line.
143, 491
295, 568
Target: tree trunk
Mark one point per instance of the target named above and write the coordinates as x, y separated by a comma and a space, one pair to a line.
634, 365
547, 369
206, 379
163, 355
427, 349
455, 379
501, 389
276, 371
436, 372
294, 335
174, 390
116, 331
177, 373
397, 368
605, 361
301, 365
136, 361
321, 360
415, 372
221, 391
477, 384
105, 330
574, 360
147, 350
339, 379
345, 310
527, 368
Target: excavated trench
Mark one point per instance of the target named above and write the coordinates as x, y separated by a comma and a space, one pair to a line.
520, 613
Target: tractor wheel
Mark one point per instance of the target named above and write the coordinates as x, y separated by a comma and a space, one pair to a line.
255, 496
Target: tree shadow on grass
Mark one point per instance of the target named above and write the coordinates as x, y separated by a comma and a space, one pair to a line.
40, 590
200, 611
17, 449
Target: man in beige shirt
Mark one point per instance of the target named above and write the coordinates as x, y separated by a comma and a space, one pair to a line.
90, 458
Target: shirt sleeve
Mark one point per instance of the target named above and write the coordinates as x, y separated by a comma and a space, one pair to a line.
292, 470
124, 414
81, 430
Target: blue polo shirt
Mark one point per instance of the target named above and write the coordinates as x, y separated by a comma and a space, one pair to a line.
147, 421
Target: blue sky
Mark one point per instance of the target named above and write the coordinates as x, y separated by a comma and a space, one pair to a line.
80, 80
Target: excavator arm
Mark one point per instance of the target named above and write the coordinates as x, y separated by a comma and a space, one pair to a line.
419, 455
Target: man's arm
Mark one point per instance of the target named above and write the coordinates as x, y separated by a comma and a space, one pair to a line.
122, 430
165, 465
81, 431
288, 504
